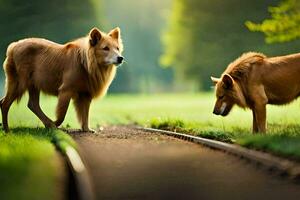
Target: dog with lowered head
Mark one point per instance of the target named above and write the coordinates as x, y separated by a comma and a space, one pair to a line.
79, 70
253, 81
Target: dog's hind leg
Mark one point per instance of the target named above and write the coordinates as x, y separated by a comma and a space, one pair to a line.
34, 106
5, 104
14, 90
12, 93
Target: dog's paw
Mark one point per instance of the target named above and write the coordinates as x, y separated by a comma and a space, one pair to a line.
57, 123
88, 130
50, 125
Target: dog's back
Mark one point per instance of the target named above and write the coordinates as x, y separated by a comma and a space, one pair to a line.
36, 63
279, 77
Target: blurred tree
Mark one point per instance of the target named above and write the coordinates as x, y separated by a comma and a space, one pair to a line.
141, 23
284, 24
203, 37
57, 20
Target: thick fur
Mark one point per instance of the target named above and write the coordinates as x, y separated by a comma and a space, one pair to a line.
254, 80
80, 70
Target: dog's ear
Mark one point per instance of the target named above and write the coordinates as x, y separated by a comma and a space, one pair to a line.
95, 36
115, 33
227, 81
214, 80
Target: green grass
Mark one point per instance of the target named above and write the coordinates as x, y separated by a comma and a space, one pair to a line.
27, 158
29, 166
189, 113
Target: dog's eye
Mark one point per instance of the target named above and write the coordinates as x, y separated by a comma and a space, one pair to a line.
221, 97
118, 48
106, 48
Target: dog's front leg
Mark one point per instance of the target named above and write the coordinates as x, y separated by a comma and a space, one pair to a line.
254, 123
260, 117
82, 105
64, 98
260, 100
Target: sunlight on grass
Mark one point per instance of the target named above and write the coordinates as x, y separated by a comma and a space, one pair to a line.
189, 113
27, 165
194, 110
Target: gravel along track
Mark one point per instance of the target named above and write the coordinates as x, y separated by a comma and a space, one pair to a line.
126, 163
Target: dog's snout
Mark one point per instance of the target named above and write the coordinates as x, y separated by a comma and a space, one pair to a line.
216, 112
120, 59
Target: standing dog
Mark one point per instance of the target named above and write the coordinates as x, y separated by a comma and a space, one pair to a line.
80, 70
253, 81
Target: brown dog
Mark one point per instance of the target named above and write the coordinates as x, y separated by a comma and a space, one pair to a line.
253, 81
80, 70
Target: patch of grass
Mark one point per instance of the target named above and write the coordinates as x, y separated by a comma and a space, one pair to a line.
167, 124
216, 135
178, 125
282, 140
281, 145
28, 164
62, 140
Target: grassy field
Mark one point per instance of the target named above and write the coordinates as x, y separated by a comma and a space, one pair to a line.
191, 113
27, 157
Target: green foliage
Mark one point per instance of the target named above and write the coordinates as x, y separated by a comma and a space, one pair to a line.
69, 20
203, 37
284, 24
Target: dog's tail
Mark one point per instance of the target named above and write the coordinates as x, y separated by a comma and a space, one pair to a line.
12, 86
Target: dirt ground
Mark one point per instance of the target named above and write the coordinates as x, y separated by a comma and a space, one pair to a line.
126, 163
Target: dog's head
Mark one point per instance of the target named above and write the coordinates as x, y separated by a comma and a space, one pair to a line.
228, 94
107, 48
